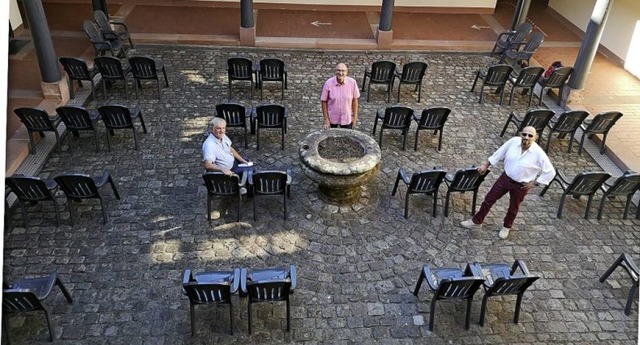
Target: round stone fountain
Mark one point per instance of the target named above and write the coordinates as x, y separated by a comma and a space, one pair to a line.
340, 161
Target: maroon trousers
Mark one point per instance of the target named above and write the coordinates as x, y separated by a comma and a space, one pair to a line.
501, 187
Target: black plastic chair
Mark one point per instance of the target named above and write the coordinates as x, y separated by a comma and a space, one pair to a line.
144, 68
395, 117
121, 33
464, 180
214, 287
586, 183
269, 183
556, 80
423, 182
268, 285
78, 187
500, 280
220, 185
268, 117
382, 72
121, 117
78, 70
600, 124
522, 56
527, 80
272, 70
38, 121
536, 118
512, 39
624, 186
567, 123
235, 115
100, 44
625, 261
450, 284
496, 76
29, 190
27, 295
78, 119
431, 119
111, 70
240, 69
412, 74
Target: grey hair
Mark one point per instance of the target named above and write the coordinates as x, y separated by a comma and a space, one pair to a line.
217, 121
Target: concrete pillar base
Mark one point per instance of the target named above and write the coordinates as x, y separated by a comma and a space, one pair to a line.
248, 36
384, 39
58, 91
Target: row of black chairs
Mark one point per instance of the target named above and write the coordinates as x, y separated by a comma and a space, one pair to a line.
260, 285
399, 118
565, 124
267, 116
385, 72
30, 190
78, 119
266, 70
107, 36
111, 69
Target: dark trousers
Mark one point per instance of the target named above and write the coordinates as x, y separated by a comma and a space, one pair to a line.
501, 187
349, 126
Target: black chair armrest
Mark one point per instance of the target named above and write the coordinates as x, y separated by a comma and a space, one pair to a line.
429, 277
632, 269
236, 280
243, 281
474, 269
403, 175
521, 265
101, 180
293, 276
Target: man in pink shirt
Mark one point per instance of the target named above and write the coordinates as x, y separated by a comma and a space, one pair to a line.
339, 100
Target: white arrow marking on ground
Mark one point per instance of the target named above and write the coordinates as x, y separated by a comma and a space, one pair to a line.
478, 27
317, 23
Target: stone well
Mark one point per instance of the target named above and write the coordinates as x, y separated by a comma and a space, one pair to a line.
340, 161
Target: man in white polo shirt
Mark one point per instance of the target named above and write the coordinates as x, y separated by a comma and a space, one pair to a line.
523, 160
217, 153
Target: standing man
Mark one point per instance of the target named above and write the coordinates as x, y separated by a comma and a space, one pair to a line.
339, 100
523, 161
217, 153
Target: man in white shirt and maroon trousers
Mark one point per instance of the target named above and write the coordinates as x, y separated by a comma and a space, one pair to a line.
523, 160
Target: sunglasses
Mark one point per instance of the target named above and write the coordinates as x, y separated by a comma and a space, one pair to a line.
524, 135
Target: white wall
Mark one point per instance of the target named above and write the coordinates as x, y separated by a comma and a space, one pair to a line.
14, 14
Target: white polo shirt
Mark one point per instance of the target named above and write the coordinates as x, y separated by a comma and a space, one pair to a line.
524, 166
218, 151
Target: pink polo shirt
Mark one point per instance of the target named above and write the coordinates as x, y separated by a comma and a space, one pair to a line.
339, 99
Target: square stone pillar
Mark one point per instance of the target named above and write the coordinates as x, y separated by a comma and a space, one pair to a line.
58, 91
248, 36
384, 39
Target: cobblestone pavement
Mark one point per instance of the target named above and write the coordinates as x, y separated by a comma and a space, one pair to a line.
357, 265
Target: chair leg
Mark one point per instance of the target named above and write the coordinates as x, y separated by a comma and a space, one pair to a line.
506, 124
249, 314
435, 203
633, 292
108, 139
368, 90
421, 277
135, 139
104, 212
446, 204
612, 268
136, 84
432, 310
473, 202
468, 316
5, 326
282, 140
513, 89
193, 319
602, 146
24, 214
144, 128
483, 309
288, 316
285, 204
440, 140
415, 143
158, 85
406, 205
395, 185
46, 315
230, 318
516, 315
255, 218
239, 205
481, 93
113, 187
473, 87
258, 139
208, 207
55, 208
559, 215
398, 98
166, 80
626, 206
64, 290
404, 139
419, 91
586, 213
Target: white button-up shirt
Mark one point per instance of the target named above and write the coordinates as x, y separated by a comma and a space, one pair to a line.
524, 166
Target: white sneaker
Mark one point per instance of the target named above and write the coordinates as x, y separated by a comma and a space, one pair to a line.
469, 224
504, 233
243, 191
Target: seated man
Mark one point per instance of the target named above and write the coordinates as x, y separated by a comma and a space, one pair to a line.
217, 153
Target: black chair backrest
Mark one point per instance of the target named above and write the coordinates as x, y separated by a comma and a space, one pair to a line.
143, 67
398, 117
434, 117
511, 286
240, 68
35, 119
538, 119
603, 122
234, 114
28, 188
109, 67
269, 182
220, 184
270, 290
77, 186
458, 288
533, 42
271, 69
559, 77
206, 293
626, 184
116, 116
467, 180
382, 71
497, 75
413, 72
105, 27
271, 115
427, 181
76, 69
529, 76
18, 301
92, 30
75, 118
521, 33
569, 121
587, 183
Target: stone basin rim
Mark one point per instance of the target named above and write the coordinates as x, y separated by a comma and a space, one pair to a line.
311, 157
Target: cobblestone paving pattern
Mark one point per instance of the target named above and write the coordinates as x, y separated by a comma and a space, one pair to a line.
357, 265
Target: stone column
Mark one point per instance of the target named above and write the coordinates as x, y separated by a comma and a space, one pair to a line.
247, 26
53, 86
385, 33
520, 14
